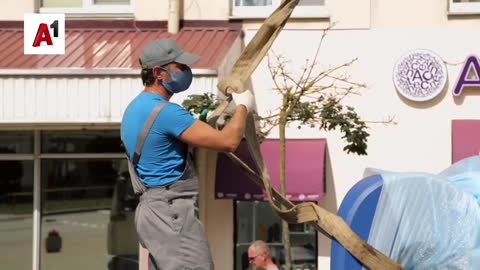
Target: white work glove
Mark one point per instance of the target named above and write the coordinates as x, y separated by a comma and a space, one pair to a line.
246, 99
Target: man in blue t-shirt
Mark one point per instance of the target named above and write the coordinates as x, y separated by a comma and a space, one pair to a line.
165, 218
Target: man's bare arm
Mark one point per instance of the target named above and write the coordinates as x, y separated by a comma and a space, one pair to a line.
225, 140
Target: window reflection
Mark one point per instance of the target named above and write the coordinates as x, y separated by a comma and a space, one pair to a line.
16, 187
96, 231
87, 208
16, 208
12, 142
78, 183
92, 141
253, 2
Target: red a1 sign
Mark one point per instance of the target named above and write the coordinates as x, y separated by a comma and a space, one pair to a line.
44, 34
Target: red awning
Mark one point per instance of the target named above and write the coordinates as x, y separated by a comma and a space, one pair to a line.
305, 175
91, 46
465, 139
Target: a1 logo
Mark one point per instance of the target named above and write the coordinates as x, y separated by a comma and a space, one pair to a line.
44, 34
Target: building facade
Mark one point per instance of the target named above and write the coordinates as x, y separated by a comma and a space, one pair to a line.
59, 115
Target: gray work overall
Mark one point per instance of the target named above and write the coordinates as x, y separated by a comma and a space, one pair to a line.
166, 218
168, 226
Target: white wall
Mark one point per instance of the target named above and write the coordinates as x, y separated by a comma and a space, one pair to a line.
421, 141
14, 9
389, 14
143, 9
190, 9
377, 51
347, 14
75, 99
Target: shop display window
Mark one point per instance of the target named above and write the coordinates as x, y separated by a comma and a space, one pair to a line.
75, 180
257, 221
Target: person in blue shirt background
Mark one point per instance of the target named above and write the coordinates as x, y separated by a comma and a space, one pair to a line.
165, 219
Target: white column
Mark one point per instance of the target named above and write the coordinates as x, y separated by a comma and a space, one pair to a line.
173, 16
37, 219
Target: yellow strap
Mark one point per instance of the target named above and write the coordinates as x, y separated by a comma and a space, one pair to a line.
322, 220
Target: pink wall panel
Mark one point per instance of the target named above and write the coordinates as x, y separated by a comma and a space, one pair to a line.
465, 139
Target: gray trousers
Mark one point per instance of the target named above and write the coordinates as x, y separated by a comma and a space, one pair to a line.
168, 227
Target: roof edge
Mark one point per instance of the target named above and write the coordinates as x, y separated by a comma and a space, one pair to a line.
91, 72
130, 24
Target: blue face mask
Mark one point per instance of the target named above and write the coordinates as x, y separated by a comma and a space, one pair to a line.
181, 80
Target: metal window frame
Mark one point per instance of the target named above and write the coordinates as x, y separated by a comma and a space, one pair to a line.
37, 158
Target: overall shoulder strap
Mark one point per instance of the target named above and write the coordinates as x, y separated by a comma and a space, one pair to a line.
145, 130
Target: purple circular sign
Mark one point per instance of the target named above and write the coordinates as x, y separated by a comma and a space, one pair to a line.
420, 75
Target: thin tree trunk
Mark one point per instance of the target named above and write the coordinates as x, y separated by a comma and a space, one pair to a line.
283, 188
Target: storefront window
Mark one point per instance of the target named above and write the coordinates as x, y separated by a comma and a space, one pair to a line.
76, 203
257, 221
80, 171
78, 184
16, 208
13, 142
93, 141
86, 203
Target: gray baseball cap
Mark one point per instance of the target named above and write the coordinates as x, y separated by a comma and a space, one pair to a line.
163, 51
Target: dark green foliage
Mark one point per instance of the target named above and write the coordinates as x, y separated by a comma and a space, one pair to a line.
334, 115
327, 113
195, 104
